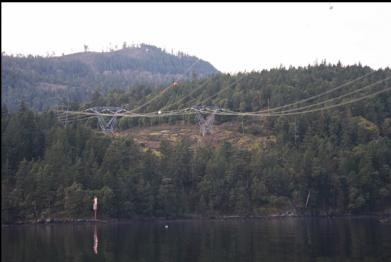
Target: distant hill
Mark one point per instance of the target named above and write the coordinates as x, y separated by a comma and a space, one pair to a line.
43, 82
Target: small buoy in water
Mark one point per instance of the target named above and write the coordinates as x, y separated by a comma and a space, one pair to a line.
166, 226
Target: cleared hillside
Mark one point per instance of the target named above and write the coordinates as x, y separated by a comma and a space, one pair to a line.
232, 132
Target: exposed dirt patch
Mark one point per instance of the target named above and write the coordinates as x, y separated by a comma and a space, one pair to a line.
150, 137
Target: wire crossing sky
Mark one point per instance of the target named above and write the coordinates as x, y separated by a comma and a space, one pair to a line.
101, 112
234, 37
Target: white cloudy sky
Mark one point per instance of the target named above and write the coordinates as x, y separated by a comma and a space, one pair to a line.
232, 36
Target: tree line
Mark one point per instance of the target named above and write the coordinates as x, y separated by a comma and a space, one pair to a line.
332, 162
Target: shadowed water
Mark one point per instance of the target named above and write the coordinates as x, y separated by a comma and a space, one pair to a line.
283, 239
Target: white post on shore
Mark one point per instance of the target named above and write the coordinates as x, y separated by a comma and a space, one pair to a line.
95, 206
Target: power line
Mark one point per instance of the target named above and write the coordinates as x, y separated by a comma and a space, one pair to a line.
190, 111
80, 119
165, 89
233, 113
207, 98
280, 107
225, 88
307, 111
191, 93
337, 105
267, 111
335, 98
318, 95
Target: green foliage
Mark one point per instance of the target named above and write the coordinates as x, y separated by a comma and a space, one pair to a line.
44, 82
340, 160
75, 199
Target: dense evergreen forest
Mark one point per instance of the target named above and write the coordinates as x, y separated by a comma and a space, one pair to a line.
335, 161
43, 82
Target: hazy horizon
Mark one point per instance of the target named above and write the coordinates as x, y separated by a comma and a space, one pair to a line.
233, 37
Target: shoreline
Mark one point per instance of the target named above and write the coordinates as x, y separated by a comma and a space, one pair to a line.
381, 218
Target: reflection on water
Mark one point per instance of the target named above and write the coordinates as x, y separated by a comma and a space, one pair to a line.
95, 247
287, 239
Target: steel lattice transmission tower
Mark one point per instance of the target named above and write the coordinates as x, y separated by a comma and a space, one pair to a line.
206, 123
101, 111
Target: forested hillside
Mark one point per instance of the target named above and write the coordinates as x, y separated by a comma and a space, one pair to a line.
334, 161
43, 82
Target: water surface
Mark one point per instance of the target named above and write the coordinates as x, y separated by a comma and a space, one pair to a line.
283, 239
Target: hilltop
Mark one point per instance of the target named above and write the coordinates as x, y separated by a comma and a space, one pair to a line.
43, 82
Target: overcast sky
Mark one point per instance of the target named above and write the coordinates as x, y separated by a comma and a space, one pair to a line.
232, 36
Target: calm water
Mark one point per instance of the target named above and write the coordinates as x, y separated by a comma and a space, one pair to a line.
287, 239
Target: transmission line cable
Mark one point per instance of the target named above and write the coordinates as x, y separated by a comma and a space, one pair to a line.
165, 89
335, 98
318, 95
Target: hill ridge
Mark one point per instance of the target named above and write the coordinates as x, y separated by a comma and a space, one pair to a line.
84, 73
